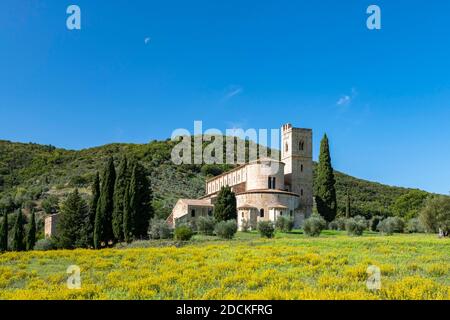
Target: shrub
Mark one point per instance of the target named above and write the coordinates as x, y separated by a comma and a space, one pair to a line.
391, 225
373, 223
355, 227
183, 233
337, 224
361, 220
159, 229
226, 229
45, 245
266, 229
205, 225
314, 225
284, 224
415, 226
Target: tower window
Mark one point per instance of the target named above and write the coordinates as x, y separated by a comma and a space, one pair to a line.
273, 182
301, 192
301, 168
269, 183
286, 148
261, 213
290, 213
301, 146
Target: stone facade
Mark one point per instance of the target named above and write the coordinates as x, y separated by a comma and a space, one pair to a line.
266, 188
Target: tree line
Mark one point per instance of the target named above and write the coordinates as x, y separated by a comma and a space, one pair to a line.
120, 208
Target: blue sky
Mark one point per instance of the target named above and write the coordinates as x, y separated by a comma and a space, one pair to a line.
383, 97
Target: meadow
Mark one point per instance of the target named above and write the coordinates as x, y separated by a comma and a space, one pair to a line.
291, 266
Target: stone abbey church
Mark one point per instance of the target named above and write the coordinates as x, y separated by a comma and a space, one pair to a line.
262, 194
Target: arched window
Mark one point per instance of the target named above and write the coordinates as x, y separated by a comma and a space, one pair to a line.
301, 192
301, 146
301, 168
286, 147
261, 213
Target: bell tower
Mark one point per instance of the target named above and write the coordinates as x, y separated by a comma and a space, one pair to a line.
296, 153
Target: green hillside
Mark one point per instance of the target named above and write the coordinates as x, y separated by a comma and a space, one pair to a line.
31, 172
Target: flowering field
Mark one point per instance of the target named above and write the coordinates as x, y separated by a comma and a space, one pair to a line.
288, 267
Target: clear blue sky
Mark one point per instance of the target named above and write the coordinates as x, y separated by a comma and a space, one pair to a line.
383, 97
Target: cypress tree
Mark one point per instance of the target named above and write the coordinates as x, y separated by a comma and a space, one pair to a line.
119, 199
139, 202
225, 207
348, 205
71, 225
4, 233
18, 243
31, 232
127, 220
95, 188
103, 218
325, 183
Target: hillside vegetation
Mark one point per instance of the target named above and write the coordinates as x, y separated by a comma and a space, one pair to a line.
30, 172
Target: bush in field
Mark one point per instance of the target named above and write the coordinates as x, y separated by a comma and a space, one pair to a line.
373, 223
159, 229
337, 224
355, 227
314, 225
45, 245
226, 229
183, 233
205, 225
362, 220
266, 229
284, 224
391, 225
414, 226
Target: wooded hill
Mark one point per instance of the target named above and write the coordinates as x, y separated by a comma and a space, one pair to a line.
31, 172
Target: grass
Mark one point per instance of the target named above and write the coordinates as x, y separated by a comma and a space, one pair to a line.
291, 266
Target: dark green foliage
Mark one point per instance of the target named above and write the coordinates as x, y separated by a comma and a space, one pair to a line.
95, 189
18, 243
314, 225
128, 212
103, 232
4, 233
120, 189
159, 229
205, 225
31, 232
284, 224
226, 229
435, 215
139, 202
373, 223
183, 233
408, 205
72, 223
266, 229
225, 206
50, 204
325, 191
348, 208
355, 227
